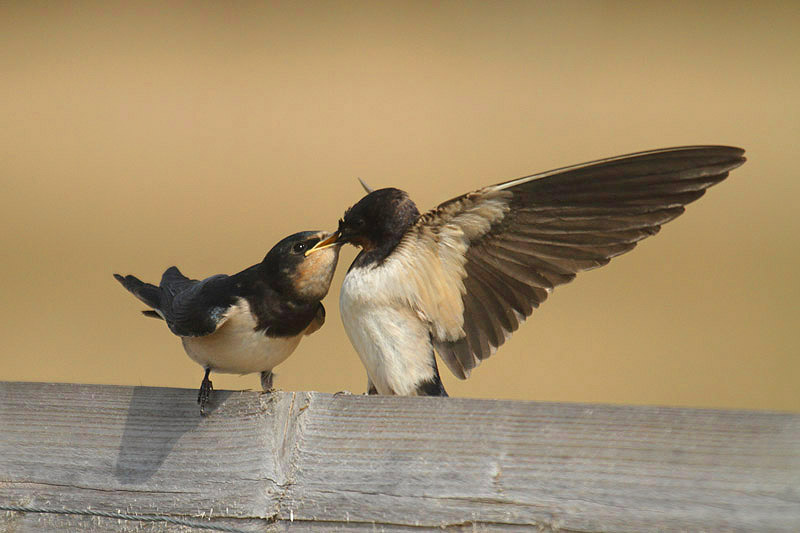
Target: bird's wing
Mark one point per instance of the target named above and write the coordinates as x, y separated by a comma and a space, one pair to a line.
318, 321
195, 308
479, 264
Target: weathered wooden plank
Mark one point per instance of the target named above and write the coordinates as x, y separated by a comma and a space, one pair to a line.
140, 449
23, 522
576, 467
305, 461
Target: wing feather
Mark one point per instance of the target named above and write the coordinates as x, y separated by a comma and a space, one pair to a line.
498, 311
516, 296
195, 308
480, 263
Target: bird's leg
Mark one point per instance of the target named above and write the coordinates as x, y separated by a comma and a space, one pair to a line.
205, 391
266, 381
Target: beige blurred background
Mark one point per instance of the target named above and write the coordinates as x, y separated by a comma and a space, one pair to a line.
136, 136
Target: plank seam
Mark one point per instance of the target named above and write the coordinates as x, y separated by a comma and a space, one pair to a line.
122, 516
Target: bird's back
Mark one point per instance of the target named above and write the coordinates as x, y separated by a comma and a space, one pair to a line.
191, 308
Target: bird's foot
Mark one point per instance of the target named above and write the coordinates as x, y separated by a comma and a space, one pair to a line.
266, 381
343, 393
205, 392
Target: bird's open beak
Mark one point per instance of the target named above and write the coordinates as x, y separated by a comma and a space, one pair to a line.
325, 243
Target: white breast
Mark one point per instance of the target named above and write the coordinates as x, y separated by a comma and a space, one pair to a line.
237, 348
391, 339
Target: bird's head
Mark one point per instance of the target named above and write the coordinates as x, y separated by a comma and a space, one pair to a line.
307, 276
378, 220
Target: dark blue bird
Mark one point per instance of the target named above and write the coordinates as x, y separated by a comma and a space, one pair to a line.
250, 321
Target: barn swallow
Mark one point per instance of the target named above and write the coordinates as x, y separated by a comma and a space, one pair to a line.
250, 321
459, 279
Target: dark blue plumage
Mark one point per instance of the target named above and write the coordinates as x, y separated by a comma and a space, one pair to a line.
250, 321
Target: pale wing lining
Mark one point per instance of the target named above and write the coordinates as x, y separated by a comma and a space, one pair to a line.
432, 257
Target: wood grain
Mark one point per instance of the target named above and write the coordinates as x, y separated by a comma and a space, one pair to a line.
310, 461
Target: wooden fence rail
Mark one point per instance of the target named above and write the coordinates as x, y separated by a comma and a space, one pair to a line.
105, 458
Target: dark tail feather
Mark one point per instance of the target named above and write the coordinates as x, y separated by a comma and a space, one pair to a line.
433, 385
152, 314
149, 294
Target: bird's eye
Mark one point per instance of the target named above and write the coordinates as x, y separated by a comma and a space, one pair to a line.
359, 223
299, 247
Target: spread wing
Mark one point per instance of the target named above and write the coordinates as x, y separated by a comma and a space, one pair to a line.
194, 308
480, 263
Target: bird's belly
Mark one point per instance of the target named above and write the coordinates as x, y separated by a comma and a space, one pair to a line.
389, 337
237, 348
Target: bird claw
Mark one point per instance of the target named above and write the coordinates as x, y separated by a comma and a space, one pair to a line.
205, 392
